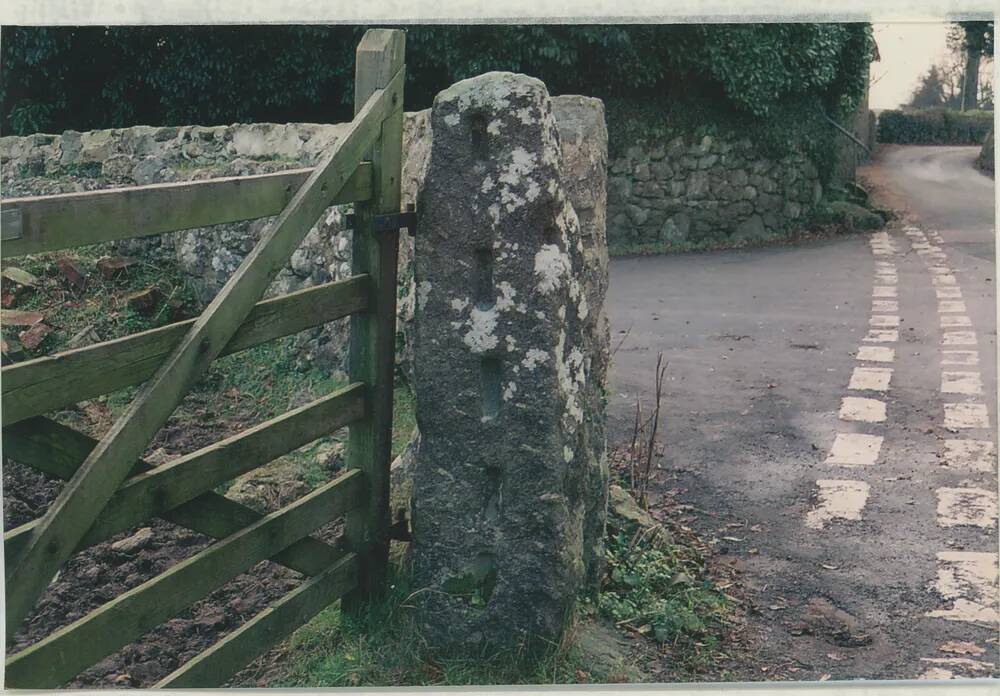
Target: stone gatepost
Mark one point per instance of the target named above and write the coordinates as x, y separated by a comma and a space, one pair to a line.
508, 482
584, 138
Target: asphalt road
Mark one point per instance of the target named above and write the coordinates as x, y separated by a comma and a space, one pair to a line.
781, 362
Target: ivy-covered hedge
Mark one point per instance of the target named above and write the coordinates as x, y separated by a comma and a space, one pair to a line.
934, 126
84, 78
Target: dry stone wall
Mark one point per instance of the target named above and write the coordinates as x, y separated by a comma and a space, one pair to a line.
703, 194
74, 162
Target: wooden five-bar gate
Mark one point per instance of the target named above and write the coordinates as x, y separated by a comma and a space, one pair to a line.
109, 489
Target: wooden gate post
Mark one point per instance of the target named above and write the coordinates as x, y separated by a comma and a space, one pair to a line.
373, 333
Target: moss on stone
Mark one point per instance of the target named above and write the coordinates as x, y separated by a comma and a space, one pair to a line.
854, 216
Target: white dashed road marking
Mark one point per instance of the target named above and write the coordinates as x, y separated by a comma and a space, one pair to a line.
876, 354
969, 581
837, 500
857, 408
884, 321
966, 416
881, 336
959, 338
959, 357
951, 306
972, 455
950, 665
855, 449
969, 507
870, 378
961, 383
949, 320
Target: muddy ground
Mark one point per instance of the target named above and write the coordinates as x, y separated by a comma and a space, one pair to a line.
104, 571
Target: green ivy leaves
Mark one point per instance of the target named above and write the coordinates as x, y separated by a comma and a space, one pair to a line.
97, 77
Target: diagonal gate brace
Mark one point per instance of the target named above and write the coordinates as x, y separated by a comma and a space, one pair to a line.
92, 486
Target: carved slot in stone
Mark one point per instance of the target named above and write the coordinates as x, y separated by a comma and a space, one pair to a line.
485, 294
551, 235
480, 138
489, 372
494, 493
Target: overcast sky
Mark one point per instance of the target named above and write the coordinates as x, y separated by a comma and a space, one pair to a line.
907, 51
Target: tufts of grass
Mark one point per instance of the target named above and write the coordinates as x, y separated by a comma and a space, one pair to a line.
269, 377
102, 304
404, 417
380, 647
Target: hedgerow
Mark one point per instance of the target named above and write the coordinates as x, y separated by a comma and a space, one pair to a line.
97, 77
934, 126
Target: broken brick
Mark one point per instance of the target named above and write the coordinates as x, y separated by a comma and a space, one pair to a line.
34, 336
14, 317
144, 302
71, 272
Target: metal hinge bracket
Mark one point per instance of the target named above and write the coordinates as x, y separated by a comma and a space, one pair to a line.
10, 224
390, 222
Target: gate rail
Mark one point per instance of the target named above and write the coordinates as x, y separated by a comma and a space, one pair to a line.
109, 489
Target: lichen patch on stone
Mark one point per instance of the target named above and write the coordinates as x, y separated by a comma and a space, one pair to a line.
480, 337
509, 391
569, 371
507, 293
551, 266
533, 190
423, 291
534, 357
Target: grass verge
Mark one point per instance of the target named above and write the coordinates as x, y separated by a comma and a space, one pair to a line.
380, 647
